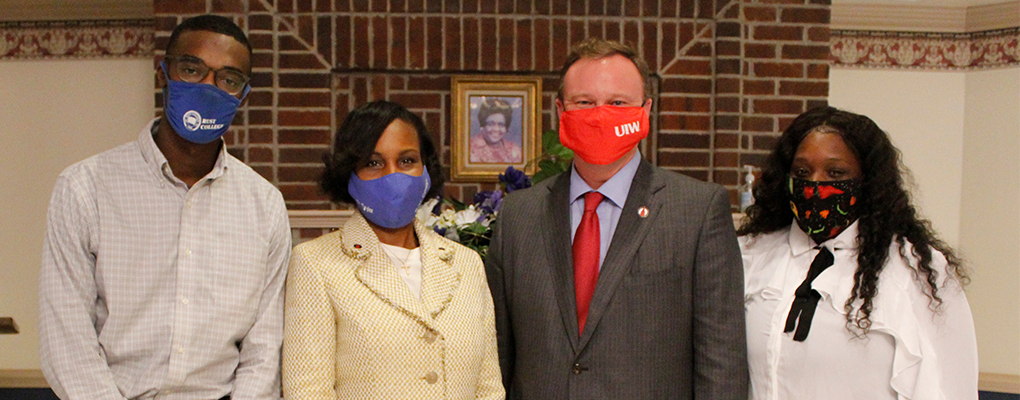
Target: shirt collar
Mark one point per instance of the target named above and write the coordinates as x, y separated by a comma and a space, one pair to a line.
157, 162
615, 189
801, 243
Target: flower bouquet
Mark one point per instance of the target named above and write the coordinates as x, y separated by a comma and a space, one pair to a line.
471, 225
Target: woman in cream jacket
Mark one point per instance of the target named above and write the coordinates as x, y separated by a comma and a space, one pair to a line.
385, 308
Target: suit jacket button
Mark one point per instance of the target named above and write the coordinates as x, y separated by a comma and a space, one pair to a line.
430, 337
576, 369
431, 377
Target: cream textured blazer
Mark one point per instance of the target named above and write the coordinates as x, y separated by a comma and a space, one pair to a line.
355, 331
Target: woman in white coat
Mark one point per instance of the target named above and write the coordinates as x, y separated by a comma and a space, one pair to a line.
385, 308
849, 293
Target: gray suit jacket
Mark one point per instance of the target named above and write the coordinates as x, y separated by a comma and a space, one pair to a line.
667, 317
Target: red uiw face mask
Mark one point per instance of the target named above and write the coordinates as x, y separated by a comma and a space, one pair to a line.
603, 134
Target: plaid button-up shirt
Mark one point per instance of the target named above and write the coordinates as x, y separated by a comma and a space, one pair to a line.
150, 289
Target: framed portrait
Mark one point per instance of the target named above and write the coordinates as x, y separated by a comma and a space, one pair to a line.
495, 124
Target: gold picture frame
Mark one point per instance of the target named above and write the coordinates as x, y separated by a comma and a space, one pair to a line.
509, 135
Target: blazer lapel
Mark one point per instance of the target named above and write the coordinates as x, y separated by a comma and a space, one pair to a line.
439, 278
556, 231
376, 270
630, 232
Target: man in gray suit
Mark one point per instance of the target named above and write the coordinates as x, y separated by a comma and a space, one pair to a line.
616, 280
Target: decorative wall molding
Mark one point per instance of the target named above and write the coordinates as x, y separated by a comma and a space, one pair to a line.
925, 50
892, 17
1000, 383
63, 10
33, 378
22, 379
915, 18
134, 38
993, 16
316, 219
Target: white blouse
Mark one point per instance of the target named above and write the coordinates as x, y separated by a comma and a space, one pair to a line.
909, 353
408, 265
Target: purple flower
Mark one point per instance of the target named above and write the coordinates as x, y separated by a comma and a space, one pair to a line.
488, 202
438, 209
514, 179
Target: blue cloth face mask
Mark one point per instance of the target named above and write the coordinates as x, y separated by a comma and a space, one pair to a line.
199, 112
390, 201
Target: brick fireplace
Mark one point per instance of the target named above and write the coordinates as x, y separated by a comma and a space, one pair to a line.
730, 73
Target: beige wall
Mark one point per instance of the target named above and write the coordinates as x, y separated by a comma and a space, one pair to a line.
990, 214
52, 114
959, 133
960, 136
923, 112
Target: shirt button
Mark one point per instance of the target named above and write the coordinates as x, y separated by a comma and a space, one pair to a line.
185, 300
180, 350
430, 337
431, 377
187, 252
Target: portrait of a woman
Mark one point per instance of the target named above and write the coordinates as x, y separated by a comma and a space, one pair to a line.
490, 144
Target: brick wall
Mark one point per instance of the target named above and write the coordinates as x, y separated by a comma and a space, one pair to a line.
730, 73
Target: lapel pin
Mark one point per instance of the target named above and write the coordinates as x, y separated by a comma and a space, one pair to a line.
357, 246
643, 212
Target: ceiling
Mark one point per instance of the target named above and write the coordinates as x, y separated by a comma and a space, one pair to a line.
924, 3
21, 10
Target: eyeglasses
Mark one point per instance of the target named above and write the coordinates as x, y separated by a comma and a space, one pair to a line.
193, 70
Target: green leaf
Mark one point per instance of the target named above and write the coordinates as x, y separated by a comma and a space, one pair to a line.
562, 152
457, 204
548, 165
549, 139
542, 175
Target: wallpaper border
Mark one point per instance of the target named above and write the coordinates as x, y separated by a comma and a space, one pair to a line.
132, 38
925, 50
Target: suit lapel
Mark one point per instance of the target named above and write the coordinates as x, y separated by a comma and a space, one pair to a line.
376, 270
556, 231
439, 278
630, 232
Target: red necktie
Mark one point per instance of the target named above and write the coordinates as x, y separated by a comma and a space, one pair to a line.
586, 256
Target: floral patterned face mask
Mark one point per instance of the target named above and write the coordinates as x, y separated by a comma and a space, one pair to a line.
823, 209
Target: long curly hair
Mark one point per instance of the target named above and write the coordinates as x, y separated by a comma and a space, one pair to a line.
885, 211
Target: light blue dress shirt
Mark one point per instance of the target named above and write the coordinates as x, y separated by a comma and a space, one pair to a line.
615, 191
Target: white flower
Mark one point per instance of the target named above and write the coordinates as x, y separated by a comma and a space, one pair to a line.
467, 216
485, 222
430, 221
424, 213
448, 219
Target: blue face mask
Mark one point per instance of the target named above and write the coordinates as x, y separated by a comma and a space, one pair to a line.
199, 112
390, 201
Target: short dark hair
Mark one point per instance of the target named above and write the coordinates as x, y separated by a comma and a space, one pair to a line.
210, 23
596, 48
355, 142
494, 106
